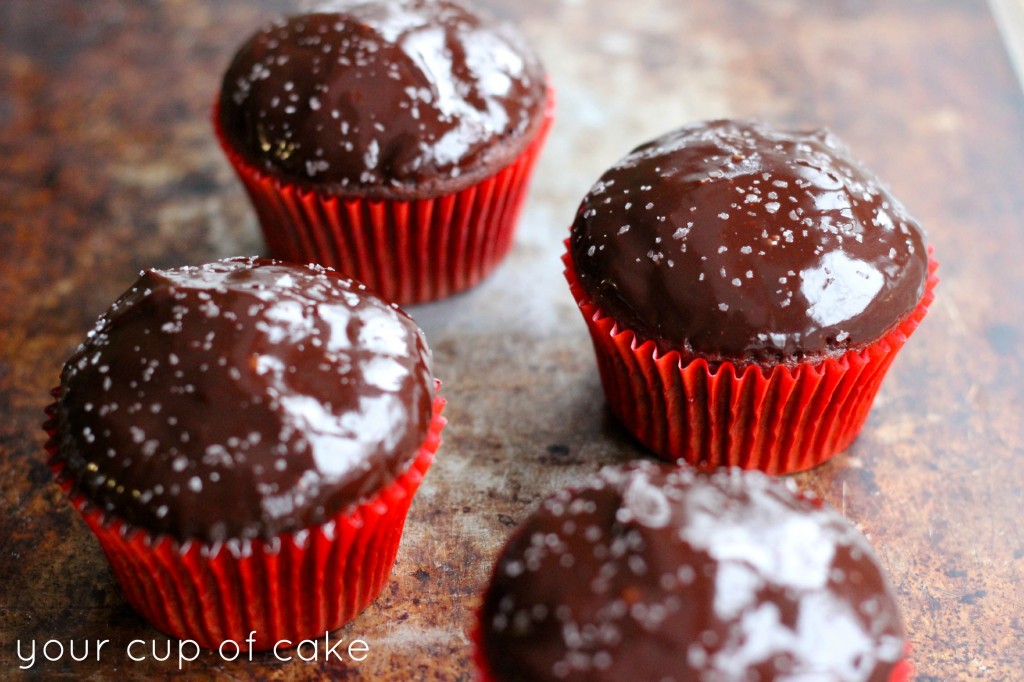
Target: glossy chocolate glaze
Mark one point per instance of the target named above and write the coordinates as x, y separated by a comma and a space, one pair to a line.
242, 399
372, 98
653, 572
729, 240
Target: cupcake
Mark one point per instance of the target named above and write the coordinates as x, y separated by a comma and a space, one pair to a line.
653, 572
746, 290
393, 141
244, 438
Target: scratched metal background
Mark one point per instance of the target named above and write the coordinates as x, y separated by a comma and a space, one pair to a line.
108, 165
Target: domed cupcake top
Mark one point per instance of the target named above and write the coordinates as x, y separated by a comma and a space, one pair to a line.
242, 399
652, 572
383, 98
730, 240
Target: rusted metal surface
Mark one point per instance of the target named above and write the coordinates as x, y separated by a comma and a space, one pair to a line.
109, 165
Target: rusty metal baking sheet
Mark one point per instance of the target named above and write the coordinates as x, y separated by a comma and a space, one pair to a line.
109, 165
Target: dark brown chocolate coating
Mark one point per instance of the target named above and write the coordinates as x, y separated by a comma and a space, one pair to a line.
242, 399
653, 572
384, 99
729, 240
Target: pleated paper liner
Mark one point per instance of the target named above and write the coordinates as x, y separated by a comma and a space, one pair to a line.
904, 671
295, 586
408, 251
780, 421
476, 638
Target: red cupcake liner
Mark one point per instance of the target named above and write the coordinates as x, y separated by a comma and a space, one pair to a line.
904, 670
294, 586
476, 638
407, 251
782, 420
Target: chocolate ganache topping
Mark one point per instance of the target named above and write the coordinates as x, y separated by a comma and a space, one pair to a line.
383, 99
729, 240
654, 572
242, 399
